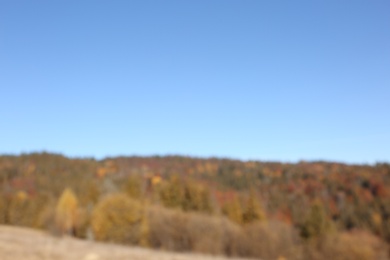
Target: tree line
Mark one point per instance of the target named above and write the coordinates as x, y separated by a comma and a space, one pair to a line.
269, 210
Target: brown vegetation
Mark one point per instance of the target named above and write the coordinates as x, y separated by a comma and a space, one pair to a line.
26, 244
221, 207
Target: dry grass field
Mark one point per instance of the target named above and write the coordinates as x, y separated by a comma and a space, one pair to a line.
27, 244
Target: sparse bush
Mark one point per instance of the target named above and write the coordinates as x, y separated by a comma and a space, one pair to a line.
205, 234
270, 240
358, 245
46, 219
232, 235
181, 231
168, 229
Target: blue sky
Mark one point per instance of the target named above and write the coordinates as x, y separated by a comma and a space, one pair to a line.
265, 80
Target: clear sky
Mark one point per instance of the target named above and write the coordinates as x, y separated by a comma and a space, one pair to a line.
266, 80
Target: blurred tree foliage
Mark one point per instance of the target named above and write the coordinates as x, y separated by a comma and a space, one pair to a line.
233, 210
118, 218
112, 200
252, 211
317, 223
67, 212
186, 195
133, 187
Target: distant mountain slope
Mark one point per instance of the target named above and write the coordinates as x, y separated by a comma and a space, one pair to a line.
245, 208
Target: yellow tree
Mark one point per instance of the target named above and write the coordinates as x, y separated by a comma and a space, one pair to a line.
66, 214
118, 218
233, 210
253, 210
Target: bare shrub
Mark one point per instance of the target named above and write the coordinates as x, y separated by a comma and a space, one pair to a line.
232, 235
270, 240
168, 229
179, 231
205, 234
357, 245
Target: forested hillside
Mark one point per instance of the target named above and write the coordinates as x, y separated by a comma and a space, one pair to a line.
267, 210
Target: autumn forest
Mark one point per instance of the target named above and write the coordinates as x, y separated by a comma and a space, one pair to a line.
265, 210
